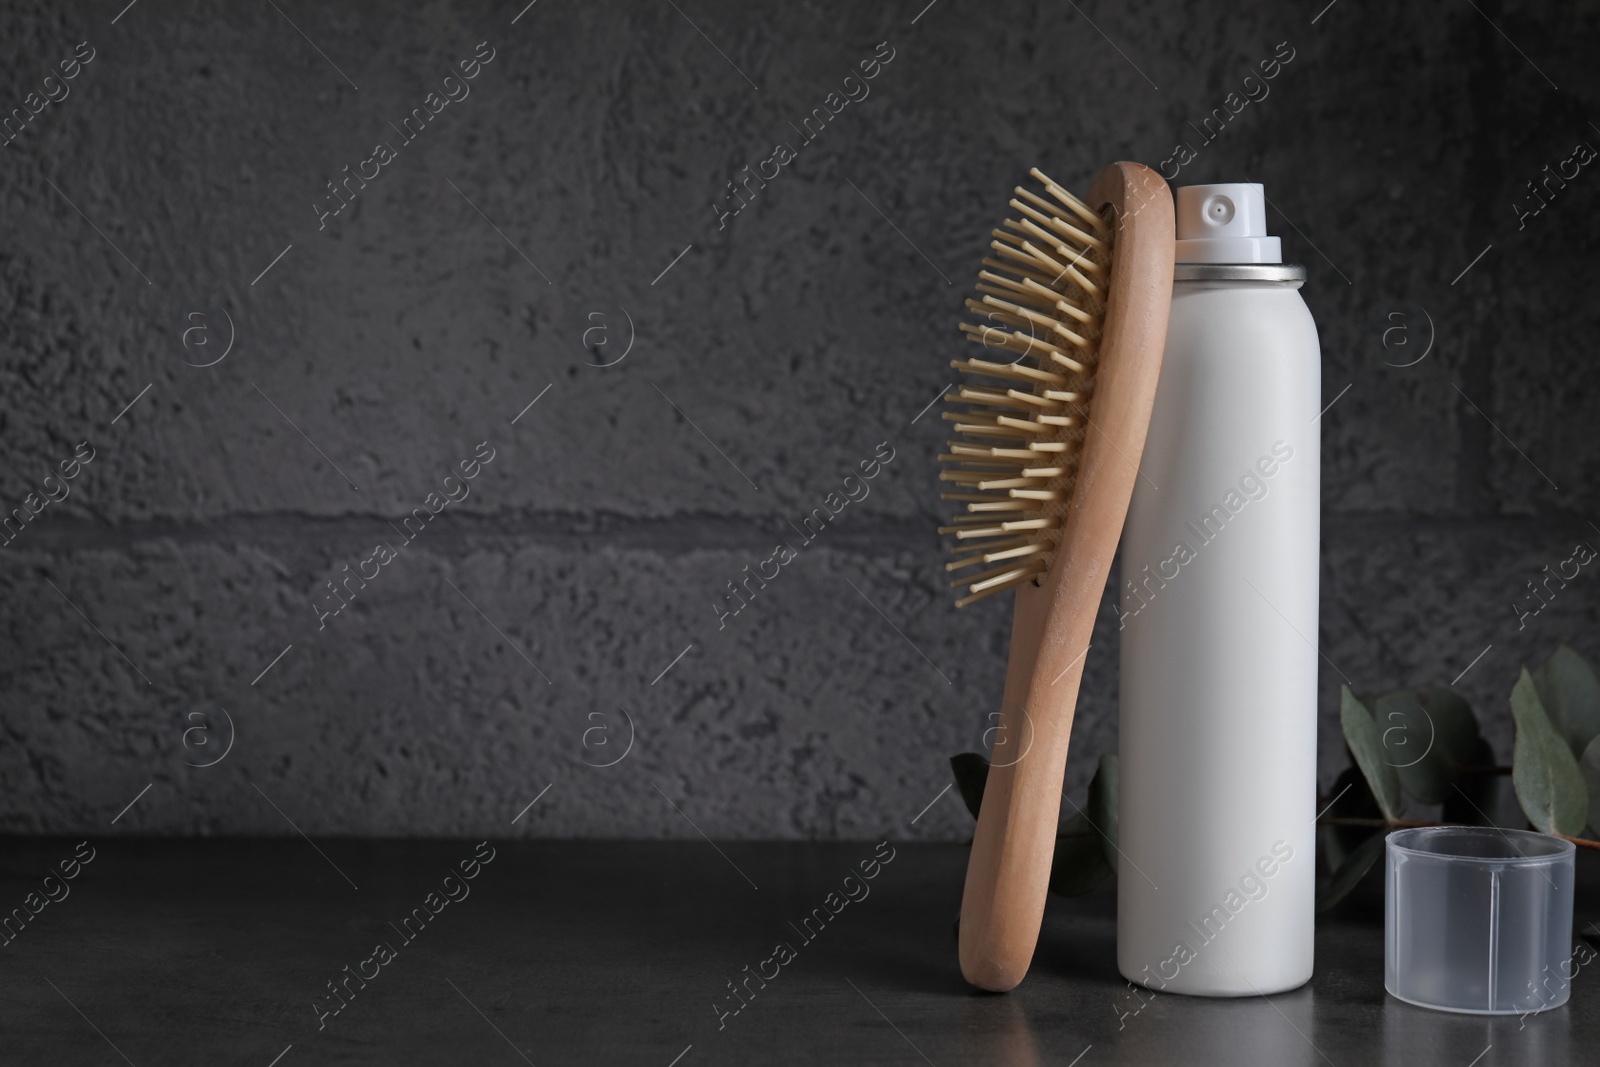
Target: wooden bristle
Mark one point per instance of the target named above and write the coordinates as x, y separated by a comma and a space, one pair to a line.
1038, 311
1008, 370
982, 580
1078, 206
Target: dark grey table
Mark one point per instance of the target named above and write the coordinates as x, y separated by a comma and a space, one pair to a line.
166, 952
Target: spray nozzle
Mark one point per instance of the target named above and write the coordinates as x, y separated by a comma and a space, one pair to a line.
1224, 224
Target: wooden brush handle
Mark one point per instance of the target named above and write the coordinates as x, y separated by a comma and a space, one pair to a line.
1008, 873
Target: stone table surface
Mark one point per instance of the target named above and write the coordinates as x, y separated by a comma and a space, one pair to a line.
222, 951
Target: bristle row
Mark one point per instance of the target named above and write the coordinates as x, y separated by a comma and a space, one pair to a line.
1020, 415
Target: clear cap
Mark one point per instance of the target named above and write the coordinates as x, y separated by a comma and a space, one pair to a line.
1224, 224
1478, 919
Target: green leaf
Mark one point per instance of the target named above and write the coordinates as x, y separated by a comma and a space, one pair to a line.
1080, 859
1589, 766
972, 772
1543, 769
1366, 745
1570, 694
1330, 852
1102, 807
1350, 873
1429, 736
1350, 798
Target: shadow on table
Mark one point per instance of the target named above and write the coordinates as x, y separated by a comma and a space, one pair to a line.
1414, 1035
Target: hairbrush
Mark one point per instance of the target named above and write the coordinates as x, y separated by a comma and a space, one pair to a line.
1072, 317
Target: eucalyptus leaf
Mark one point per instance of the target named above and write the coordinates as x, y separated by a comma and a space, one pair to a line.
1349, 875
1080, 863
972, 772
1543, 769
1589, 766
1102, 806
1331, 852
1429, 736
1570, 694
1366, 745
1351, 798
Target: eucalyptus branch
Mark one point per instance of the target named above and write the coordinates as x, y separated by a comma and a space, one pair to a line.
1581, 842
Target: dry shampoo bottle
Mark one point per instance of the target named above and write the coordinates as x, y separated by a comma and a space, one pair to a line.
1219, 623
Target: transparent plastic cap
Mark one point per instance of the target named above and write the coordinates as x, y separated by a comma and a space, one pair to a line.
1478, 919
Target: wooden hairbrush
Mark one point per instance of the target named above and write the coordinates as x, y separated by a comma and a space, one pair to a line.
1073, 314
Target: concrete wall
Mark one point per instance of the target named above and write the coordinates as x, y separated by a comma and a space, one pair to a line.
516, 639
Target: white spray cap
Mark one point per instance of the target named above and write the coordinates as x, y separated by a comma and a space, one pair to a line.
1224, 224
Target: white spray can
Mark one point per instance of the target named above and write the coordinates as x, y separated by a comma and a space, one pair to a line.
1218, 735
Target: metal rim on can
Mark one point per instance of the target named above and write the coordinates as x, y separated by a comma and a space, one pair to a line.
1239, 272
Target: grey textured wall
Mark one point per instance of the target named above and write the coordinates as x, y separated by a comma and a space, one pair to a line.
776, 353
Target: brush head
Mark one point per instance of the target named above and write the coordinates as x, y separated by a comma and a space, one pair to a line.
1022, 411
